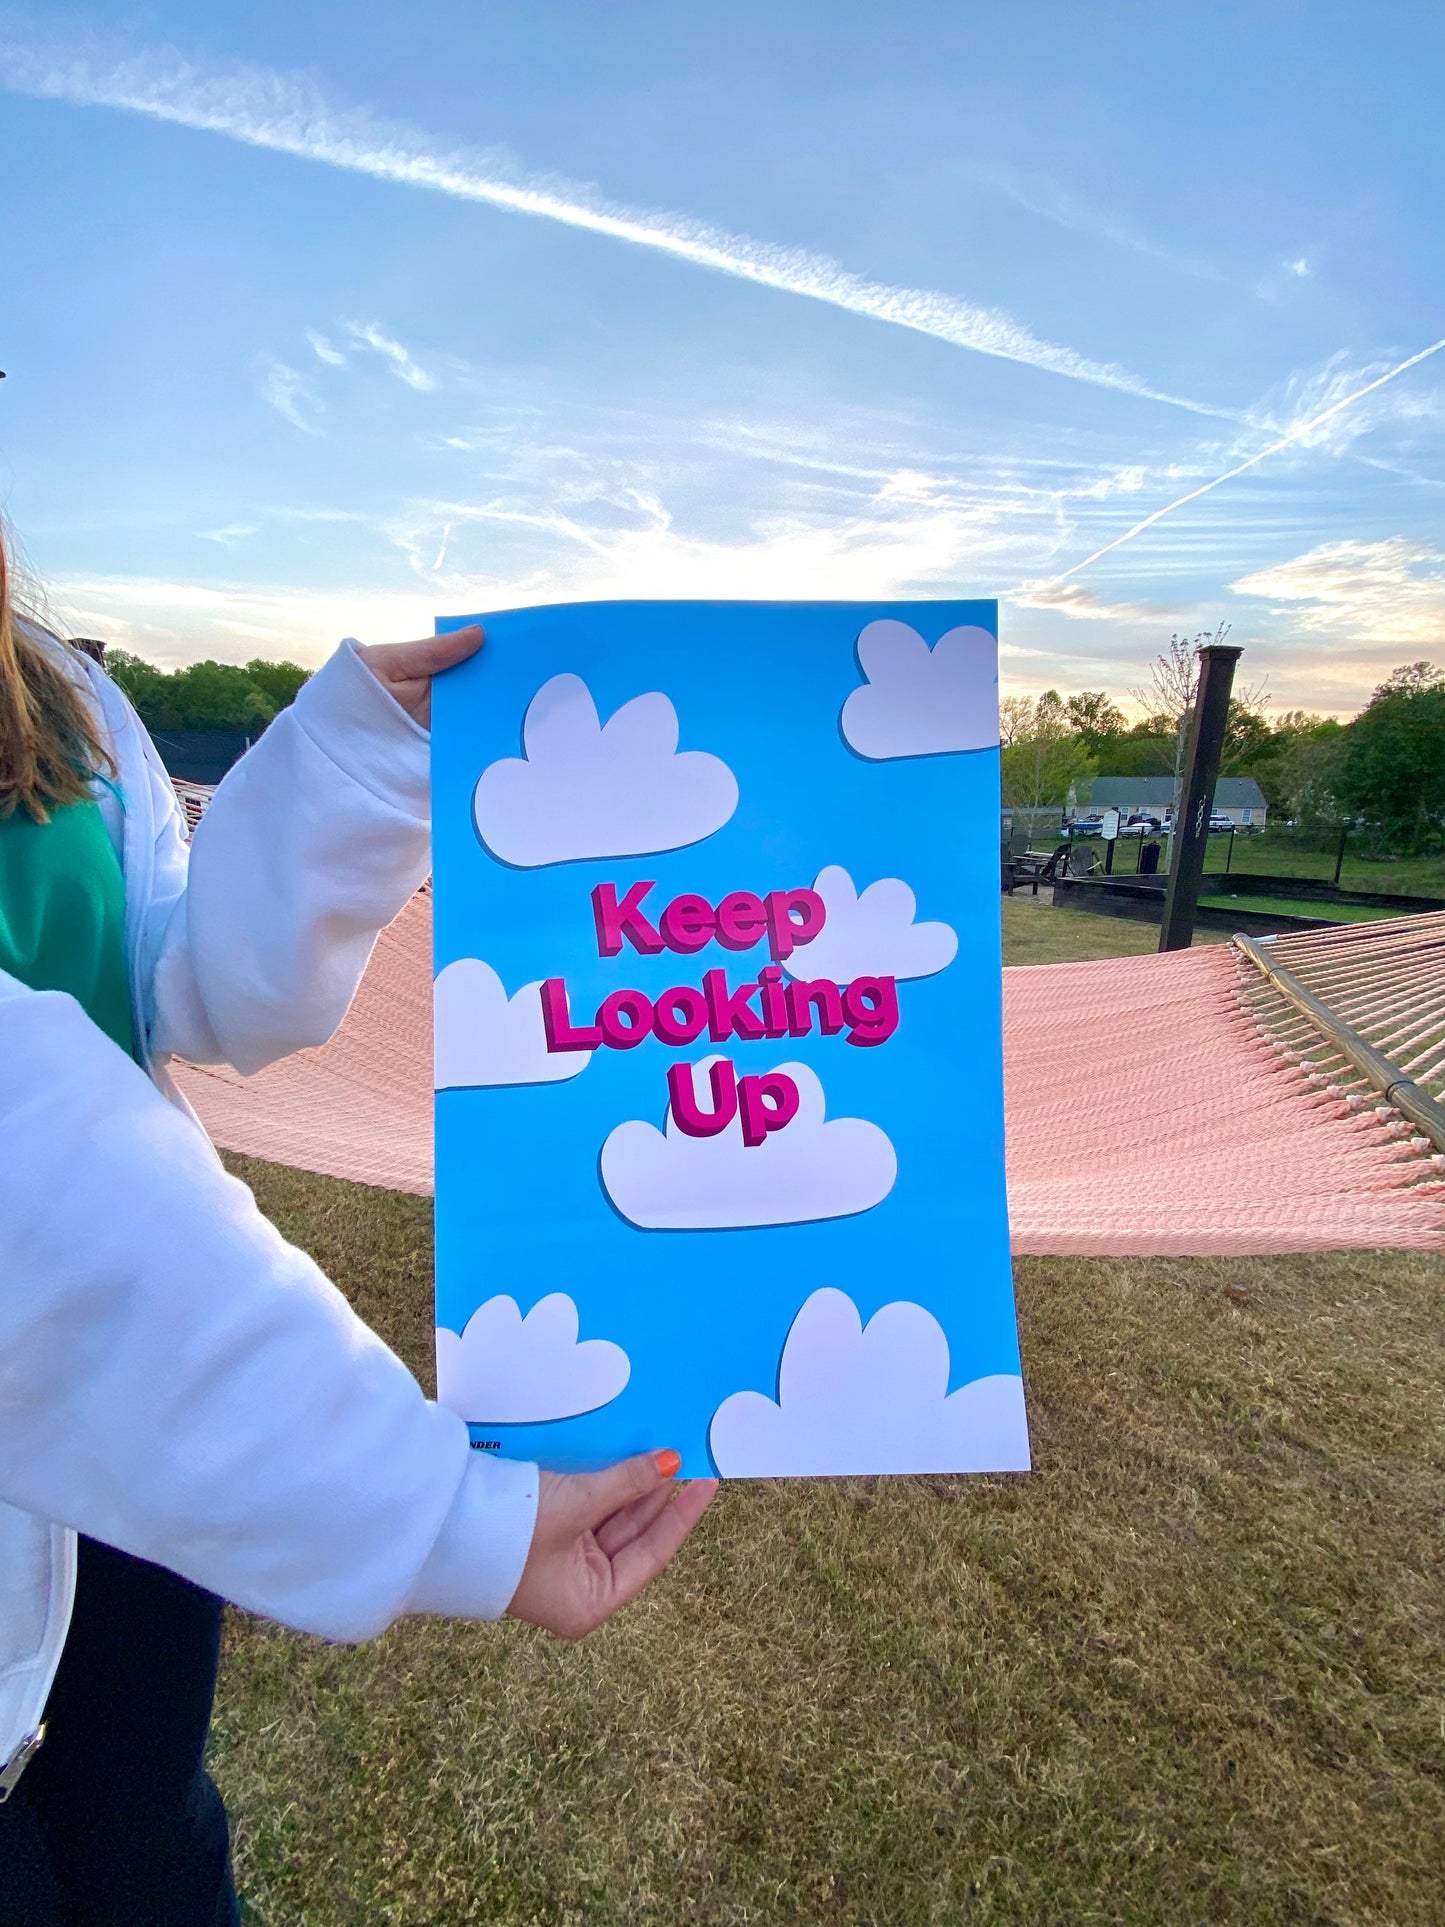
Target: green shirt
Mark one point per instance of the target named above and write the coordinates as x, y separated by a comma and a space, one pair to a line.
62, 913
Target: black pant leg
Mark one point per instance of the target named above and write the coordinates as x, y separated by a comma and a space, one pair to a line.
135, 1827
29, 1893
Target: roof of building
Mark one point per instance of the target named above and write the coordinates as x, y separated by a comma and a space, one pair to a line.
1156, 792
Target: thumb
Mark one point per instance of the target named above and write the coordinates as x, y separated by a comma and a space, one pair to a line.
626, 1482
432, 654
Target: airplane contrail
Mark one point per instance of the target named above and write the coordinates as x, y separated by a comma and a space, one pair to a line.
286, 116
1300, 430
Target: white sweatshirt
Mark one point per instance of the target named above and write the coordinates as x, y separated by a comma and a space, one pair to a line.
176, 1379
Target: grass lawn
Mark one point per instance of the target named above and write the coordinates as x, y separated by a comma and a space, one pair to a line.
1410, 876
1189, 1670
1302, 907
1034, 932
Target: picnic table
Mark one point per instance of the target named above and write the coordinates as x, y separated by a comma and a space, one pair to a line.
1034, 867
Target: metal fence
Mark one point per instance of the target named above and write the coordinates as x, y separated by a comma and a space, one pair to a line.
1348, 859
1031, 829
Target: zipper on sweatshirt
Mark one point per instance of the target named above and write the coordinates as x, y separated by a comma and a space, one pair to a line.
18, 1761
137, 847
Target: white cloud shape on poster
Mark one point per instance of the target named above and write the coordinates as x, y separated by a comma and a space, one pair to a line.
505, 1369
481, 1036
871, 933
875, 1398
590, 789
919, 701
813, 1168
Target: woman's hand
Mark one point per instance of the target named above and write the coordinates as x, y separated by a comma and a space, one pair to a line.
601, 1536
406, 668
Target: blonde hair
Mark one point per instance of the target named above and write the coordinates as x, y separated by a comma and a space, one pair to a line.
50, 749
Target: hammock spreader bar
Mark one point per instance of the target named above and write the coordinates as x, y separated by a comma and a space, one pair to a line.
1398, 1090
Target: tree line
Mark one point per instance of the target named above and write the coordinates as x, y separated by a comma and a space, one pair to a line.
206, 695
1384, 771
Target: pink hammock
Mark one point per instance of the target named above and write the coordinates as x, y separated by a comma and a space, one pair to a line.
1158, 1104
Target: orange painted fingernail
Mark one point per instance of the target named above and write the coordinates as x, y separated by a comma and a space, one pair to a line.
668, 1463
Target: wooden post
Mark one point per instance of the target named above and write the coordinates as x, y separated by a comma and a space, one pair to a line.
1202, 752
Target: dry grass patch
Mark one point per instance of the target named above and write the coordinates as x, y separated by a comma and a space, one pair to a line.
1034, 932
1188, 1671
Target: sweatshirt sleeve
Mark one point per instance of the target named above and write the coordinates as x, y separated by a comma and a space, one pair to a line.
255, 941
177, 1380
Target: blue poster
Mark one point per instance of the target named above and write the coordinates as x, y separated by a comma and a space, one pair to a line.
719, 1109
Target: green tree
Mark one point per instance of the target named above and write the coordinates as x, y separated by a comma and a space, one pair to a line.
1095, 717
1305, 776
1290, 766
1138, 752
151, 691
206, 695
1042, 757
1037, 774
1392, 770
279, 681
1015, 718
217, 695
1247, 735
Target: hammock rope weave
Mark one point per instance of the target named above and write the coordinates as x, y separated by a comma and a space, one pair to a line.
1202, 1111
1368, 1010
1159, 1104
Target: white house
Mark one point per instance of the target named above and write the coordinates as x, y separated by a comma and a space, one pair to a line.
1238, 797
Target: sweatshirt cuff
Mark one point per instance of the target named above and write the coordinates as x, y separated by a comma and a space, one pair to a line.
364, 730
476, 1563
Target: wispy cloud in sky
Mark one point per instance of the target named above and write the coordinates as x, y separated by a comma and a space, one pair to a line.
1309, 395
325, 350
369, 335
170, 623
1073, 599
289, 116
1050, 203
292, 396
233, 532
578, 526
1300, 433
1391, 591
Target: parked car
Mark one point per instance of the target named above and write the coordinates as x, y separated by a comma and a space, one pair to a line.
1141, 826
1219, 822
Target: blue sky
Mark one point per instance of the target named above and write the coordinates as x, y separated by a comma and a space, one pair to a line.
801, 300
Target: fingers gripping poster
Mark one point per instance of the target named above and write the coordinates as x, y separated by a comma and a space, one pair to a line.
719, 1113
